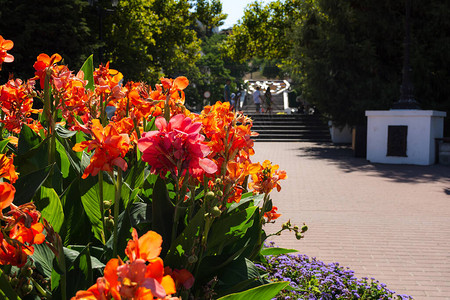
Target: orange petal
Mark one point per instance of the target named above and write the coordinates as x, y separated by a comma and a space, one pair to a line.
150, 245
168, 285
7, 192
181, 82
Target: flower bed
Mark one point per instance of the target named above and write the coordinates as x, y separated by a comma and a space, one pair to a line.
310, 278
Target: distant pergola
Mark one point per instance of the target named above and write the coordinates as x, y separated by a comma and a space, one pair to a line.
276, 87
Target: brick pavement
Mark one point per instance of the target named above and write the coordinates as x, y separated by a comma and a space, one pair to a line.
390, 222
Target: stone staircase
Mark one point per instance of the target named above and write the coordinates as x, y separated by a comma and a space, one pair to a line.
282, 127
289, 128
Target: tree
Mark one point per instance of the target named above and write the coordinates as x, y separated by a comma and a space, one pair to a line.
346, 56
37, 26
209, 15
147, 39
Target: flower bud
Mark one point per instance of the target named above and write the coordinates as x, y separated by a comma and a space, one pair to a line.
296, 228
298, 235
285, 225
14, 282
219, 193
192, 259
109, 222
209, 196
107, 204
304, 228
218, 181
215, 212
26, 288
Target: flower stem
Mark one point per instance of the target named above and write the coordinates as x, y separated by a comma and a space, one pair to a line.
102, 209
118, 187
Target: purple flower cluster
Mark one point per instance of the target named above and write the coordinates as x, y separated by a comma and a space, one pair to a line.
313, 279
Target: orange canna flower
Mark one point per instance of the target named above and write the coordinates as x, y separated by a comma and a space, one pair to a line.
272, 215
5, 45
7, 192
267, 179
7, 169
16, 99
141, 277
24, 231
110, 147
147, 247
12, 252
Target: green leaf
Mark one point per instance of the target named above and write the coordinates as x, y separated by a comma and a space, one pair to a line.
245, 201
185, 241
91, 202
239, 275
43, 259
229, 229
79, 269
50, 206
27, 185
276, 251
3, 144
28, 140
88, 69
263, 292
64, 132
62, 159
162, 213
6, 291
32, 153
77, 227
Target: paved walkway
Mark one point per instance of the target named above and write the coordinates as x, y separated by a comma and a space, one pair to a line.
391, 222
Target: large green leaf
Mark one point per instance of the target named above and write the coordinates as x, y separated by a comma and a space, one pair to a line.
237, 276
246, 201
162, 213
79, 265
88, 69
77, 227
50, 207
263, 292
176, 257
27, 185
3, 145
43, 259
230, 228
276, 251
32, 151
6, 291
63, 132
28, 140
91, 202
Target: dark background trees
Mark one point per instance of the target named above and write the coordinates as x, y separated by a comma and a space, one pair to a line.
50, 26
346, 56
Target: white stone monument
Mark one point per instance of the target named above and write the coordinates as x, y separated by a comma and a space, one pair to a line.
403, 136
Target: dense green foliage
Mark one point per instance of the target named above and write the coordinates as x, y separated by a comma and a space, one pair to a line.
346, 56
148, 38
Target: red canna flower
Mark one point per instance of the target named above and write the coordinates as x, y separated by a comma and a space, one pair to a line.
109, 149
45, 63
5, 45
176, 147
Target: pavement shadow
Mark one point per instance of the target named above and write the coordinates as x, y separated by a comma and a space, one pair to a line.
343, 157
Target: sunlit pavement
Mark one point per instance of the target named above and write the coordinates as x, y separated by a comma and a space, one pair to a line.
390, 222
